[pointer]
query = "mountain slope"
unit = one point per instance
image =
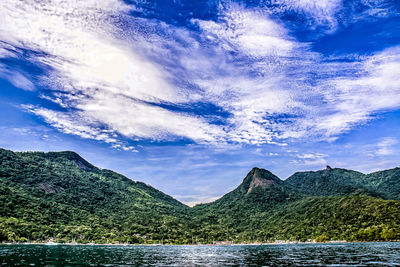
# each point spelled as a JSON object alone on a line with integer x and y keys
{"x": 63, "y": 190}
{"x": 338, "y": 218}
{"x": 342, "y": 182}
{"x": 238, "y": 212}
{"x": 61, "y": 196}
{"x": 330, "y": 182}
{"x": 386, "y": 182}
{"x": 259, "y": 190}
{"x": 334, "y": 203}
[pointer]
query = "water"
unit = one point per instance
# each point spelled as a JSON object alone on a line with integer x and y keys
{"x": 352, "y": 254}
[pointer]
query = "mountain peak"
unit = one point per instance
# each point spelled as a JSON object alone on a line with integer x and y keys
{"x": 260, "y": 178}
{"x": 74, "y": 157}
{"x": 328, "y": 168}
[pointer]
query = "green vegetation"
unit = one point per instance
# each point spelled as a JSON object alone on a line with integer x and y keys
{"x": 61, "y": 197}
{"x": 278, "y": 212}
{"x": 386, "y": 182}
{"x": 322, "y": 239}
{"x": 341, "y": 182}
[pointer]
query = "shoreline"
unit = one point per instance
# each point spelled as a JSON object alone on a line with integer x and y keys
{"x": 156, "y": 245}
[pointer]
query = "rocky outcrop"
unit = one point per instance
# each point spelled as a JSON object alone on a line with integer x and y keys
{"x": 261, "y": 178}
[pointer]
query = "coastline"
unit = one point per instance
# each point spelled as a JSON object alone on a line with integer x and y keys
{"x": 218, "y": 244}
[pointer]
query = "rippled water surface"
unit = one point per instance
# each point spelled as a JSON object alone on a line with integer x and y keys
{"x": 354, "y": 254}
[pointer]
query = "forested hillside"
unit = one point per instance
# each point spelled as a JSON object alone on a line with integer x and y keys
{"x": 324, "y": 206}
{"x": 342, "y": 182}
{"x": 60, "y": 196}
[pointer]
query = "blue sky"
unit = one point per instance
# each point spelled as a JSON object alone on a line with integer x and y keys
{"x": 188, "y": 96}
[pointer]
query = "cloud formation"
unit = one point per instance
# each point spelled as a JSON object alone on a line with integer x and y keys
{"x": 356, "y": 98}
{"x": 116, "y": 75}
{"x": 310, "y": 159}
{"x": 385, "y": 147}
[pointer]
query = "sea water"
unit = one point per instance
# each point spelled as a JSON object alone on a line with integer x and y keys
{"x": 341, "y": 254}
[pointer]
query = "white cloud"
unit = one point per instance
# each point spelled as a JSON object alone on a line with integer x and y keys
{"x": 137, "y": 119}
{"x": 385, "y": 147}
{"x": 353, "y": 100}
{"x": 80, "y": 125}
{"x": 192, "y": 200}
{"x": 311, "y": 156}
{"x": 107, "y": 82}
{"x": 78, "y": 36}
{"x": 250, "y": 32}
{"x": 6, "y": 51}
{"x": 17, "y": 79}
{"x": 245, "y": 63}
{"x": 375, "y": 9}
{"x": 101, "y": 76}
{"x": 339, "y": 99}
{"x": 254, "y": 87}
{"x": 310, "y": 159}
{"x": 318, "y": 12}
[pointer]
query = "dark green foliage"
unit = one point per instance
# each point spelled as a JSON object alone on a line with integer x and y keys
{"x": 330, "y": 182}
{"x": 387, "y": 182}
{"x": 236, "y": 214}
{"x": 339, "y": 218}
{"x": 61, "y": 196}
{"x": 282, "y": 212}
{"x": 341, "y": 182}
{"x": 322, "y": 239}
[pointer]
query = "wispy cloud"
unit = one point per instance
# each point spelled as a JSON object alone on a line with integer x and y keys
{"x": 310, "y": 159}
{"x": 385, "y": 147}
{"x": 317, "y": 12}
{"x": 98, "y": 75}
{"x": 16, "y": 78}
{"x": 66, "y": 123}
{"x": 115, "y": 75}
{"x": 192, "y": 200}
{"x": 250, "y": 32}
{"x": 374, "y": 9}
{"x": 373, "y": 88}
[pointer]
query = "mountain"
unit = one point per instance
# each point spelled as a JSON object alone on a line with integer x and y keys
{"x": 259, "y": 187}
{"x": 342, "y": 182}
{"x": 335, "y": 203}
{"x": 361, "y": 218}
{"x": 61, "y": 196}
{"x": 386, "y": 182}
{"x": 330, "y": 182}
{"x": 234, "y": 214}
{"x": 260, "y": 190}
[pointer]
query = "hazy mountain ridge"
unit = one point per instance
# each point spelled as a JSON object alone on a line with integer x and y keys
{"x": 60, "y": 195}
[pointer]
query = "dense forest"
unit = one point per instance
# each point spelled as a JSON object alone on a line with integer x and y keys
{"x": 59, "y": 196}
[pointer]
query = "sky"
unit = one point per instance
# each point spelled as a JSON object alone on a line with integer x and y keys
{"x": 188, "y": 96}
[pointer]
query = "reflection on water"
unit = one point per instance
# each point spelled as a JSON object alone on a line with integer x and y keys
{"x": 353, "y": 254}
